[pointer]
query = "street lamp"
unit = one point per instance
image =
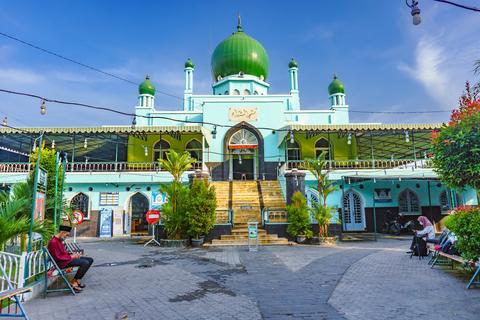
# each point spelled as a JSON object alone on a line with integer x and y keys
{"x": 413, "y": 4}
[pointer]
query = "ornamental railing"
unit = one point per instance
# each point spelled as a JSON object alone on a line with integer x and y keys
{"x": 224, "y": 216}
{"x": 366, "y": 164}
{"x": 274, "y": 215}
{"x": 95, "y": 166}
{"x": 22, "y": 269}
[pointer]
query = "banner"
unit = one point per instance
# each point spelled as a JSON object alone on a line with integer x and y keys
{"x": 383, "y": 195}
{"x": 39, "y": 211}
{"x": 105, "y": 222}
{"x": 158, "y": 199}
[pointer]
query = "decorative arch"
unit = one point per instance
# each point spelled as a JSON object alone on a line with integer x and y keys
{"x": 322, "y": 144}
{"x": 160, "y": 149}
{"x": 446, "y": 199}
{"x": 194, "y": 147}
{"x": 236, "y": 92}
{"x": 246, "y": 92}
{"x": 408, "y": 202}
{"x": 260, "y": 146}
{"x": 81, "y": 202}
{"x": 293, "y": 150}
{"x": 138, "y": 205}
{"x": 353, "y": 211}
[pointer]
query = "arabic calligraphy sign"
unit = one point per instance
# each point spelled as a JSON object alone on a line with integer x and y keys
{"x": 242, "y": 114}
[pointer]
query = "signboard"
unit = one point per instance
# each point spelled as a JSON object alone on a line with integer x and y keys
{"x": 242, "y": 114}
{"x": 77, "y": 217}
{"x": 153, "y": 216}
{"x": 42, "y": 180}
{"x": 383, "y": 195}
{"x": 252, "y": 236}
{"x": 158, "y": 199}
{"x": 108, "y": 199}
{"x": 105, "y": 222}
{"x": 39, "y": 210}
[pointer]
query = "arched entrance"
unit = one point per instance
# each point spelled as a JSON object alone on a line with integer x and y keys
{"x": 138, "y": 208}
{"x": 243, "y": 153}
{"x": 353, "y": 212}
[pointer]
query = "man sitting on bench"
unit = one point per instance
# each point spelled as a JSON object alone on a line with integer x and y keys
{"x": 64, "y": 260}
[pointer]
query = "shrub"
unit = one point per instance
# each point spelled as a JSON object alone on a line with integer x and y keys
{"x": 174, "y": 211}
{"x": 465, "y": 223}
{"x": 201, "y": 207}
{"x": 298, "y": 216}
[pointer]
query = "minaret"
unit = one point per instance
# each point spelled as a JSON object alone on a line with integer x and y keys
{"x": 187, "y": 94}
{"x": 336, "y": 91}
{"x": 146, "y": 94}
{"x": 293, "y": 70}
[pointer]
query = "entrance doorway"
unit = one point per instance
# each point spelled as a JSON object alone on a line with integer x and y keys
{"x": 353, "y": 212}
{"x": 243, "y": 165}
{"x": 243, "y": 146}
{"x": 138, "y": 207}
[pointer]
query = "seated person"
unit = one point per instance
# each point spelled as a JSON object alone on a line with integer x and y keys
{"x": 427, "y": 232}
{"x": 64, "y": 260}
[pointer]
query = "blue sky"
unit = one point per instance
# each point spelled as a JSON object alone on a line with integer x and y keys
{"x": 386, "y": 63}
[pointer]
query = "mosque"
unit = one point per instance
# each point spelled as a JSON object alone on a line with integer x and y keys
{"x": 252, "y": 145}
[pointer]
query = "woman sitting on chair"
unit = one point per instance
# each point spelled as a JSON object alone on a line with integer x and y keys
{"x": 421, "y": 236}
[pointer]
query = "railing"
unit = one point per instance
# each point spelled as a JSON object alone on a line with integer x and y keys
{"x": 274, "y": 215}
{"x": 366, "y": 164}
{"x": 21, "y": 269}
{"x": 94, "y": 166}
{"x": 224, "y": 216}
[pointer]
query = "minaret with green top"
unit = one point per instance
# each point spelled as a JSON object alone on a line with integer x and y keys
{"x": 336, "y": 91}
{"x": 146, "y": 94}
{"x": 188, "y": 92}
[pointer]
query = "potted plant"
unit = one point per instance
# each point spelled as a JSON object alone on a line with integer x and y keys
{"x": 320, "y": 210}
{"x": 299, "y": 218}
{"x": 201, "y": 208}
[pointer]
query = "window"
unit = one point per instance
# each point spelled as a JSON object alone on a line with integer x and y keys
{"x": 108, "y": 199}
{"x": 226, "y": 93}
{"x": 255, "y": 92}
{"x": 246, "y": 92}
{"x": 446, "y": 200}
{"x": 321, "y": 145}
{"x": 81, "y": 202}
{"x": 408, "y": 202}
{"x": 236, "y": 92}
{"x": 194, "y": 147}
{"x": 352, "y": 208}
{"x": 160, "y": 150}
{"x": 293, "y": 151}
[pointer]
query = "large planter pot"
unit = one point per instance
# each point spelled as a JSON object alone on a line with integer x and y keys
{"x": 174, "y": 243}
{"x": 197, "y": 243}
{"x": 301, "y": 239}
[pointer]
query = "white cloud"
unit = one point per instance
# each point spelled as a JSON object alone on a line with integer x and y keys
{"x": 19, "y": 76}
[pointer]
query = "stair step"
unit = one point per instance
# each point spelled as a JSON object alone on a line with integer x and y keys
{"x": 280, "y": 241}
{"x": 245, "y": 237}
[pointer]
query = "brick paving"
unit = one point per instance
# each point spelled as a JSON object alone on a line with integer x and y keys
{"x": 370, "y": 280}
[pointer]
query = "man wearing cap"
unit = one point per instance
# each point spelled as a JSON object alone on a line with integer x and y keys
{"x": 66, "y": 260}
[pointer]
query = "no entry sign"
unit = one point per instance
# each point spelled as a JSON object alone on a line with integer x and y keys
{"x": 153, "y": 216}
{"x": 77, "y": 217}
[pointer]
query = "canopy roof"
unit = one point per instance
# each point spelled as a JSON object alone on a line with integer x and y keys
{"x": 106, "y": 129}
{"x": 363, "y": 127}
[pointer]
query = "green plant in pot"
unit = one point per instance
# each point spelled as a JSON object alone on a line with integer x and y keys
{"x": 299, "y": 218}
{"x": 201, "y": 208}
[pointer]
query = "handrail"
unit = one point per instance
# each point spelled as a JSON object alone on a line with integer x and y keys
{"x": 367, "y": 164}
{"x": 275, "y": 215}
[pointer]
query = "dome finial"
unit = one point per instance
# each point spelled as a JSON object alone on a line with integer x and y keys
{"x": 239, "y": 23}
{"x": 335, "y": 75}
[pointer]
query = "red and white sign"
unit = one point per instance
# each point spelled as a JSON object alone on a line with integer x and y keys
{"x": 153, "y": 216}
{"x": 77, "y": 217}
{"x": 39, "y": 210}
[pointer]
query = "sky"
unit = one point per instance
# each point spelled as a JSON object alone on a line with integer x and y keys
{"x": 385, "y": 62}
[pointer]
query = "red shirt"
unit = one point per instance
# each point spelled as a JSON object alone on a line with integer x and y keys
{"x": 58, "y": 252}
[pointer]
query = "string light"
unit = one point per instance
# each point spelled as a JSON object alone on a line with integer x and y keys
{"x": 134, "y": 122}
{"x": 214, "y": 132}
{"x": 5, "y": 122}
{"x": 239, "y": 159}
{"x": 292, "y": 138}
{"x": 34, "y": 145}
{"x": 349, "y": 139}
{"x": 407, "y": 136}
{"x": 85, "y": 143}
{"x": 43, "y": 108}
{"x": 146, "y": 151}
{"x": 53, "y": 144}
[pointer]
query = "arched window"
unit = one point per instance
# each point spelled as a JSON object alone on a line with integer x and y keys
{"x": 160, "y": 150}
{"x": 226, "y": 93}
{"x": 322, "y": 145}
{"x": 408, "y": 202}
{"x": 293, "y": 150}
{"x": 81, "y": 202}
{"x": 246, "y": 92}
{"x": 446, "y": 200}
{"x": 194, "y": 147}
{"x": 255, "y": 92}
{"x": 236, "y": 92}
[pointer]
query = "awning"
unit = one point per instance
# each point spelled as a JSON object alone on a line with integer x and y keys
{"x": 107, "y": 129}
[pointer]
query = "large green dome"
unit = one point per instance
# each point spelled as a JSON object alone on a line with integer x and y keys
{"x": 336, "y": 86}
{"x": 239, "y": 53}
{"x": 146, "y": 87}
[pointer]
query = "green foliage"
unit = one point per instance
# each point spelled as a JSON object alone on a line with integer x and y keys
{"x": 322, "y": 213}
{"x": 177, "y": 163}
{"x": 174, "y": 211}
{"x": 201, "y": 207}
{"x": 465, "y": 223}
{"x": 298, "y": 216}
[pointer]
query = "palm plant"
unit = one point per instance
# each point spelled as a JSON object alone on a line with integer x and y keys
{"x": 320, "y": 210}
{"x": 177, "y": 163}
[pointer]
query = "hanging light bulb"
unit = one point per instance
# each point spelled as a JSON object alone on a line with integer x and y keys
{"x": 349, "y": 139}
{"x": 53, "y": 144}
{"x": 86, "y": 159}
{"x": 425, "y": 154}
{"x": 416, "y": 19}
{"x": 374, "y": 180}
{"x": 146, "y": 151}
{"x": 239, "y": 159}
{"x": 34, "y": 145}
{"x": 292, "y": 138}
{"x": 407, "y": 136}
{"x": 214, "y": 132}
{"x": 43, "y": 108}
{"x": 134, "y": 122}
{"x": 85, "y": 143}
{"x": 5, "y": 122}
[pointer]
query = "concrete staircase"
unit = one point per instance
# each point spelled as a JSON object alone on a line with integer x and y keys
{"x": 247, "y": 200}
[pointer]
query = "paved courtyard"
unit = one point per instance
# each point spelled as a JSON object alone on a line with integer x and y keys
{"x": 369, "y": 280}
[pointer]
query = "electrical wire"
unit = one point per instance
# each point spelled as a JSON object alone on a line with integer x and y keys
{"x": 459, "y": 5}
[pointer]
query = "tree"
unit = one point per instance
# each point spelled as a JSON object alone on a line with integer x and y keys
{"x": 323, "y": 213}
{"x": 456, "y": 147}
{"x": 298, "y": 217}
{"x": 177, "y": 163}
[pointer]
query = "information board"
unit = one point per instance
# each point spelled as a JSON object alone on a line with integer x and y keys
{"x": 105, "y": 221}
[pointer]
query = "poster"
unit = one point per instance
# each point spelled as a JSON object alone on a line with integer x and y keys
{"x": 158, "y": 199}
{"x": 383, "y": 195}
{"x": 105, "y": 221}
{"x": 39, "y": 211}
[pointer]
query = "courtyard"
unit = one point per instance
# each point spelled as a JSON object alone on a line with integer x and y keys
{"x": 355, "y": 280}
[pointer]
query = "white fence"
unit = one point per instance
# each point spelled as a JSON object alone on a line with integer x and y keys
{"x": 21, "y": 269}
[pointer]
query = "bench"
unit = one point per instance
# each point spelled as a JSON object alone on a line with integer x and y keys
{"x": 73, "y": 247}
{"x": 12, "y": 293}
{"x": 449, "y": 259}
{"x": 53, "y": 270}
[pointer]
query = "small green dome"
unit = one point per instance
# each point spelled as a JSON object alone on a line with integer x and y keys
{"x": 146, "y": 87}
{"x": 293, "y": 64}
{"x": 239, "y": 53}
{"x": 336, "y": 86}
{"x": 189, "y": 63}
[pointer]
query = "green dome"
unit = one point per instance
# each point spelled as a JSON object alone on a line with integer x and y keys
{"x": 336, "y": 86}
{"x": 146, "y": 87}
{"x": 239, "y": 53}
{"x": 293, "y": 64}
{"x": 189, "y": 63}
